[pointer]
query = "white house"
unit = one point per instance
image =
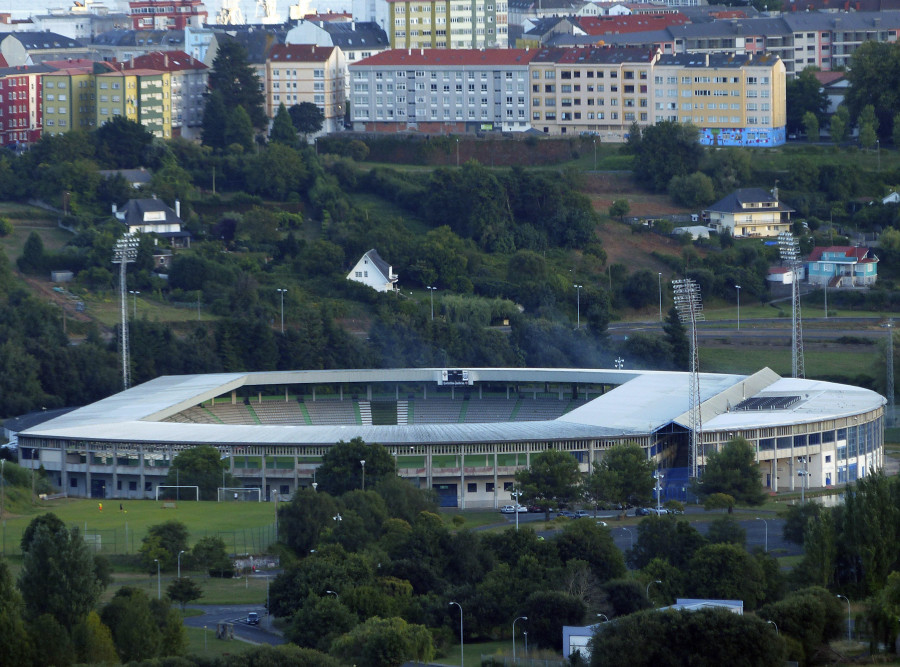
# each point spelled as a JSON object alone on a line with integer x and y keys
{"x": 373, "y": 271}
{"x": 152, "y": 216}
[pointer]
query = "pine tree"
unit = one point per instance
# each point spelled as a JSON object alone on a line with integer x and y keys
{"x": 676, "y": 337}
{"x": 214, "y": 121}
{"x": 235, "y": 80}
{"x": 283, "y": 131}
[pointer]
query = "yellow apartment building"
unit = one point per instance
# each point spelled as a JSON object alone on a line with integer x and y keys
{"x": 298, "y": 73}
{"x": 447, "y": 24}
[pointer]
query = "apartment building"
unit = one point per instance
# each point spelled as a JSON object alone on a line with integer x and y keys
{"x": 166, "y": 14}
{"x": 298, "y": 73}
{"x": 437, "y": 91}
{"x": 115, "y": 94}
{"x": 593, "y": 90}
{"x": 21, "y": 117}
{"x": 441, "y": 24}
{"x": 735, "y": 100}
{"x": 154, "y": 101}
{"x": 188, "y": 80}
{"x": 68, "y": 99}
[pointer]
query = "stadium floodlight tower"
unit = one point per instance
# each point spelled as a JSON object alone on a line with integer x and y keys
{"x": 124, "y": 253}
{"x": 690, "y": 311}
{"x": 790, "y": 255}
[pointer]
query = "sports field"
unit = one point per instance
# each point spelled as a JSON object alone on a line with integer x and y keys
{"x": 246, "y": 527}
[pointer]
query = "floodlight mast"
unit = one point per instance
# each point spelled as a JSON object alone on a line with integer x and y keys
{"x": 124, "y": 252}
{"x": 690, "y": 311}
{"x": 790, "y": 255}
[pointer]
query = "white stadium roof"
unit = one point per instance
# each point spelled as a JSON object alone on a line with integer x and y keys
{"x": 641, "y": 402}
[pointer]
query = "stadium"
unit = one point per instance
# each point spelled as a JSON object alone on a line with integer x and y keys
{"x": 462, "y": 432}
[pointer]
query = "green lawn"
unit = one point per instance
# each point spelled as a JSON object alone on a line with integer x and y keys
{"x": 203, "y": 643}
{"x": 818, "y": 363}
{"x": 243, "y": 590}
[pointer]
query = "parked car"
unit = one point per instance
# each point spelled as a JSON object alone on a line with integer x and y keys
{"x": 658, "y": 511}
{"x": 602, "y": 523}
{"x": 566, "y": 513}
{"x": 642, "y": 511}
{"x": 252, "y": 618}
{"x": 535, "y": 509}
{"x": 580, "y": 514}
{"x": 511, "y": 509}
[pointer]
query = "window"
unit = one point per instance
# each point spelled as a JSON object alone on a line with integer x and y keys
{"x": 471, "y": 487}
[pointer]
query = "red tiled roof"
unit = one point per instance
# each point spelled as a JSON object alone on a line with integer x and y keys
{"x": 826, "y": 78}
{"x": 300, "y": 53}
{"x": 729, "y": 14}
{"x": 450, "y": 57}
{"x": 329, "y": 16}
{"x": 70, "y": 63}
{"x": 613, "y": 25}
{"x": 779, "y": 269}
{"x": 166, "y": 61}
{"x": 855, "y": 252}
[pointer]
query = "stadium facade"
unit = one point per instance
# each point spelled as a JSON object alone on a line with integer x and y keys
{"x": 462, "y": 432}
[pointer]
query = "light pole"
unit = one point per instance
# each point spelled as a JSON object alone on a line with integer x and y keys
{"x": 282, "y": 291}
{"x": 630, "y": 534}
{"x": 605, "y": 617}
{"x": 595, "y": 169}
{"x": 516, "y": 495}
{"x": 134, "y": 294}
{"x": 315, "y": 485}
{"x": 2, "y": 489}
{"x": 878, "y": 150}
{"x": 659, "y": 282}
{"x": 179, "y": 563}
{"x": 520, "y": 618}
{"x": 647, "y": 592}
{"x": 431, "y": 291}
{"x": 849, "y": 638}
{"x": 776, "y": 627}
{"x": 802, "y": 474}
{"x": 578, "y": 304}
{"x": 457, "y": 163}
{"x": 620, "y": 363}
{"x": 332, "y": 593}
{"x": 525, "y": 632}
{"x": 766, "y": 524}
{"x": 658, "y": 477}
{"x": 738, "y": 288}
{"x": 461, "y": 626}
{"x": 158, "y": 580}
{"x": 362, "y": 462}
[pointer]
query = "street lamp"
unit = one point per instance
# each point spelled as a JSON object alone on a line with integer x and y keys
{"x": 578, "y": 301}
{"x": 315, "y": 485}
{"x": 362, "y": 462}
{"x": 431, "y": 291}
{"x": 803, "y": 475}
{"x": 134, "y": 294}
{"x": 776, "y": 627}
{"x": 516, "y": 495}
{"x": 595, "y": 169}
{"x": 848, "y": 615}
{"x": 331, "y": 593}
{"x": 630, "y": 534}
{"x": 457, "y": 151}
{"x": 520, "y": 618}
{"x": 620, "y": 363}
{"x": 766, "y": 523}
{"x": 647, "y": 593}
{"x": 179, "y": 563}
{"x": 282, "y": 291}
{"x": 738, "y": 288}
{"x": 158, "y": 580}
{"x": 659, "y": 282}
{"x": 605, "y": 617}
{"x": 878, "y": 150}
{"x": 658, "y": 477}
{"x": 461, "y": 626}
{"x": 2, "y": 490}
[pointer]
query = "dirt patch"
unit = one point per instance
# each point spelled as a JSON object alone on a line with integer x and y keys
{"x": 634, "y": 250}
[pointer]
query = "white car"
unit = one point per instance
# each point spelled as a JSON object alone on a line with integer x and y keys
{"x": 511, "y": 509}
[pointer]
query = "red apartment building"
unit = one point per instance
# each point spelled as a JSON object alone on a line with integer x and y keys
{"x": 166, "y": 14}
{"x": 20, "y": 104}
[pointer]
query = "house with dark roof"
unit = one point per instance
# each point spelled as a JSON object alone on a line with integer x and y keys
{"x": 33, "y": 48}
{"x": 842, "y": 266}
{"x": 750, "y": 212}
{"x": 373, "y": 271}
{"x": 153, "y": 216}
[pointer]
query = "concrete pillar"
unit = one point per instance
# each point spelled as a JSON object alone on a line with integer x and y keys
{"x": 115, "y": 472}
{"x": 142, "y": 467}
{"x": 494, "y": 503}
{"x": 462, "y": 479}
{"x": 87, "y": 472}
{"x": 262, "y": 474}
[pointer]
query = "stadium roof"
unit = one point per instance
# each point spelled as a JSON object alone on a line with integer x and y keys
{"x": 642, "y": 402}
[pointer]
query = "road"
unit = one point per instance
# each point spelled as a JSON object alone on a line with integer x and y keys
{"x": 237, "y": 614}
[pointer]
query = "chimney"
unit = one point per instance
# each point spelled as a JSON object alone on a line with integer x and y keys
{"x": 166, "y": 61}
{"x": 353, "y": 26}
{"x": 707, "y": 60}
{"x": 177, "y": 208}
{"x": 115, "y": 209}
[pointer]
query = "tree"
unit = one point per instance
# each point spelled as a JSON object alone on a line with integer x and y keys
{"x": 58, "y": 576}
{"x": 619, "y": 208}
{"x": 804, "y": 94}
{"x": 15, "y": 643}
{"x": 676, "y": 337}
{"x": 93, "y": 641}
{"x": 733, "y": 471}
{"x": 623, "y": 476}
{"x": 134, "y": 629}
{"x": 552, "y": 479}
{"x": 384, "y": 642}
{"x": 233, "y": 77}
{"x": 163, "y": 542}
{"x": 215, "y": 120}
{"x": 726, "y": 530}
{"x": 302, "y": 521}
{"x": 307, "y": 117}
{"x": 209, "y": 554}
{"x": 661, "y": 537}
{"x": 341, "y": 469}
{"x": 811, "y": 126}
{"x": 121, "y": 143}
{"x": 238, "y": 128}
{"x": 276, "y": 172}
{"x": 641, "y": 289}
{"x": 283, "y": 130}
{"x": 201, "y": 466}
{"x": 868, "y": 126}
{"x": 693, "y": 190}
{"x": 796, "y": 520}
{"x": 183, "y": 590}
{"x": 812, "y": 616}
{"x": 585, "y": 540}
{"x": 726, "y": 572}
{"x": 666, "y": 149}
{"x": 874, "y": 77}
{"x": 718, "y": 501}
{"x": 840, "y": 124}
{"x": 548, "y": 612}
{"x": 32, "y": 259}
{"x": 319, "y": 621}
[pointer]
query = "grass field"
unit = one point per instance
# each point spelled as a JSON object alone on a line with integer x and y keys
{"x": 833, "y": 361}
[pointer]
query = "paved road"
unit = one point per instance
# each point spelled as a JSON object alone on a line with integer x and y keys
{"x": 237, "y": 614}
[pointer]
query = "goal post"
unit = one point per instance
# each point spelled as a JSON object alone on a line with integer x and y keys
{"x": 239, "y": 494}
{"x": 171, "y": 495}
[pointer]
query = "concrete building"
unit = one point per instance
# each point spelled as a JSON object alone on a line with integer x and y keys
{"x": 21, "y": 104}
{"x": 750, "y": 212}
{"x": 437, "y": 91}
{"x": 166, "y": 14}
{"x": 307, "y": 73}
{"x": 188, "y": 80}
{"x": 34, "y": 48}
{"x": 374, "y": 272}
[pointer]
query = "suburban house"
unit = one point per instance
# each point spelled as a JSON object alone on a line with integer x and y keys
{"x": 750, "y": 212}
{"x": 152, "y": 216}
{"x": 373, "y": 271}
{"x": 842, "y": 266}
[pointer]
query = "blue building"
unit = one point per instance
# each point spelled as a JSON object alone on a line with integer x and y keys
{"x": 842, "y": 266}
